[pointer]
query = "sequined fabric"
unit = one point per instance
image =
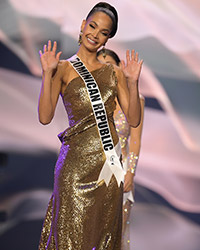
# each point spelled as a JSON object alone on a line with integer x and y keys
{"x": 84, "y": 215}
{"x": 123, "y": 128}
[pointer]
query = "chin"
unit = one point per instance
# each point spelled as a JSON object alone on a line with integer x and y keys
{"x": 92, "y": 49}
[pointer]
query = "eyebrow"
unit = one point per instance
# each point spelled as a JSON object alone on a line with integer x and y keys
{"x": 97, "y": 25}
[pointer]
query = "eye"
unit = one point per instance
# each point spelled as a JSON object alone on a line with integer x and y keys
{"x": 92, "y": 26}
{"x": 105, "y": 34}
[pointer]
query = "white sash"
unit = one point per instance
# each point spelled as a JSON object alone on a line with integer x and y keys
{"x": 112, "y": 164}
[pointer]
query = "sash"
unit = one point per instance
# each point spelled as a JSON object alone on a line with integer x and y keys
{"x": 112, "y": 165}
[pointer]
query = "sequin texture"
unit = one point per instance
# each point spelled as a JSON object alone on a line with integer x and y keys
{"x": 123, "y": 128}
{"x": 84, "y": 215}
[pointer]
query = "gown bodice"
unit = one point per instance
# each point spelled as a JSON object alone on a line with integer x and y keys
{"x": 78, "y": 106}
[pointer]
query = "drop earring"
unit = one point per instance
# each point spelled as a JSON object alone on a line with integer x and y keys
{"x": 104, "y": 52}
{"x": 80, "y": 38}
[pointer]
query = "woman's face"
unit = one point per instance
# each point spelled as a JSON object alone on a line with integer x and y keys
{"x": 107, "y": 59}
{"x": 96, "y": 31}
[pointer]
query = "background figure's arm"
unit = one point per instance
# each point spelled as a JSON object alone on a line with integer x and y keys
{"x": 136, "y": 133}
{"x": 134, "y": 149}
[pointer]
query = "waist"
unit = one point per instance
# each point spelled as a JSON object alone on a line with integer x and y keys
{"x": 85, "y": 124}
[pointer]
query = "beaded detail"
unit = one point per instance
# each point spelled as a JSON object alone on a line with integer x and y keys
{"x": 122, "y": 128}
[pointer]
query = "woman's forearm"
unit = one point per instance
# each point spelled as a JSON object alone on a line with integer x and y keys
{"x": 134, "y": 110}
{"x": 135, "y": 142}
{"x": 45, "y": 106}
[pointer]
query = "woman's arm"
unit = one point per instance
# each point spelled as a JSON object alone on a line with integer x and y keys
{"x": 128, "y": 95}
{"x": 51, "y": 83}
{"x": 136, "y": 133}
{"x": 134, "y": 149}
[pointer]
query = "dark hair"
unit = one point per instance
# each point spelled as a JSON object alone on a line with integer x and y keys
{"x": 110, "y": 11}
{"x": 108, "y": 52}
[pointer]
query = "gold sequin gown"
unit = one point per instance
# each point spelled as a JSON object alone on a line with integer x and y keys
{"x": 84, "y": 215}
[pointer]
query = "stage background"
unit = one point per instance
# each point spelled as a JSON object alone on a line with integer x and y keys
{"x": 167, "y": 36}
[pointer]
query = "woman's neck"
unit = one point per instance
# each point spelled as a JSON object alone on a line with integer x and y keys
{"x": 87, "y": 57}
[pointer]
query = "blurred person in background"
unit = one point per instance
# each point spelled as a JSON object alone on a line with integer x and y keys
{"x": 130, "y": 140}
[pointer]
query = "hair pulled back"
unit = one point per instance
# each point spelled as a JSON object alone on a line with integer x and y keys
{"x": 110, "y": 11}
{"x": 111, "y": 53}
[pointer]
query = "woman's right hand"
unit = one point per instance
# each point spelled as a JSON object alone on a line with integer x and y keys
{"x": 49, "y": 59}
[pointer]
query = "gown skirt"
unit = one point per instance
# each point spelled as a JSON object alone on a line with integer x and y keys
{"x": 83, "y": 214}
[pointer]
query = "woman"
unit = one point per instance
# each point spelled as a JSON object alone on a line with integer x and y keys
{"x": 85, "y": 209}
{"x": 130, "y": 140}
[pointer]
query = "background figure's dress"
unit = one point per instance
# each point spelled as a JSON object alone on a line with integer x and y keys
{"x": 123, "y": 130}
{"x": 84, "y": 215}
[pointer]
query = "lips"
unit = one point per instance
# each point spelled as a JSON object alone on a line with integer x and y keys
{"x": 91, "y": 41}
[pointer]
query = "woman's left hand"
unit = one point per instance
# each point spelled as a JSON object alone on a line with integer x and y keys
{"x": 128, "y": 182}
{"x": 132, "y": 67}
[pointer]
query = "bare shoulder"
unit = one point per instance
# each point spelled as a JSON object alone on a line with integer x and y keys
{"x": 63, "y": 64}
{"x": 60, "y": 68}
{"x": 68, "y": 73}
{"x": 64, "y": 68}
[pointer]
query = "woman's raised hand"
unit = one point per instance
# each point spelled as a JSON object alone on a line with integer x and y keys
{"x": 132, "y": 67}
{"x": 49, "y": 59}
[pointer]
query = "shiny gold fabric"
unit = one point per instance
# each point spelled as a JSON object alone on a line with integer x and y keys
{"x": 84, "y": 215}
{"x": 122, "y": 128}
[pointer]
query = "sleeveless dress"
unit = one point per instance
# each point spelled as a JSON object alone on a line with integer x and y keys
{"x": 83, "y": 214}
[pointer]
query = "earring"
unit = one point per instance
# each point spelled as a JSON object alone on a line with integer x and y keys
{"x": 104, "y": 52}
{"x": 80, "y": 38}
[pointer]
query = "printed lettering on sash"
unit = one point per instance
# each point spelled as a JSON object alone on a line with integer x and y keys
{"x": 112, "y": 164}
